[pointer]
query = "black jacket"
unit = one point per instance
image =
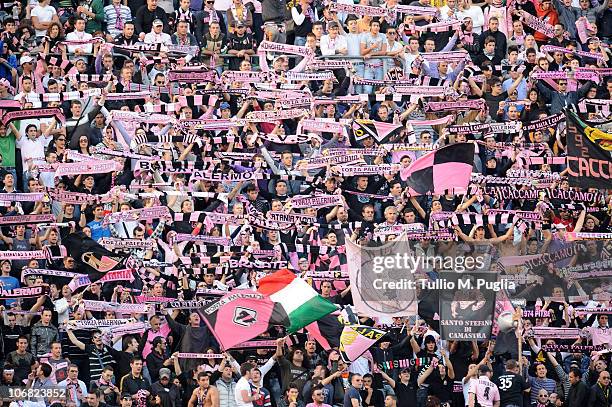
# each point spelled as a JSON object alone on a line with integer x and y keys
{"x": 143, "y": 21}
{"x": 578, "y": 395}
{"x": 600, "y": 397}
{"x": 500, "y": 42}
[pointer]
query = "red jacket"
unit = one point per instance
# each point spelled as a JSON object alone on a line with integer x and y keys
{"x": 549, "y": 16}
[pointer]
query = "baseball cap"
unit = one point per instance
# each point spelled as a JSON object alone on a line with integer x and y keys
{"x": 164, "y": 372}
{"x": 25, "y": 59}
{"x": 559, "y": 225}
{"x": 224, "y": 105}
{"x": 240, "y": 24}
{"x": 125, "y": 395}
{"x": 592, "y": 39}
{"x": 333, "y": 24}
{"x": 157, "y": 22}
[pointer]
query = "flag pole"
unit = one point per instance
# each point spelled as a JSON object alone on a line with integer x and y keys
{"x": 519, "y": 330}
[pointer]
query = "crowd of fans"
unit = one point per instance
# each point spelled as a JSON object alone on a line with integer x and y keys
{"x": 49, "y": 48}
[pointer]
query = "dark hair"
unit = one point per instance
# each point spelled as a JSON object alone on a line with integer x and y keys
{"x": 95, "y": 392}
{"x": 46, "y": 369}
{"x": 432, "y": 401}
{"x": 576, "y": 372}
{"x": 292, "y": 385}
{"x": 127, "y": 339}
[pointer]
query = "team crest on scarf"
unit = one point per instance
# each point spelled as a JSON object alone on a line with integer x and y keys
{"x": 381, "y": 131}
{"x": 100, "y": 263}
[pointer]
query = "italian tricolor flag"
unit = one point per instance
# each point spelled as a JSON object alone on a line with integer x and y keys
{"x": 299, "y": 300}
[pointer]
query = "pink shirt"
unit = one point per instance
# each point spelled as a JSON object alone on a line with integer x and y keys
{"x": 164, "y": 331}
{"x": 600, "y": 336}
{"x": 485, "y": 390}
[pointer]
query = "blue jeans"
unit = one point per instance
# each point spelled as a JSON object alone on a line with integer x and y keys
{"x": 359, "y": 69}
{"x": 421, "y": 396}
{"x": 372, "y": 72}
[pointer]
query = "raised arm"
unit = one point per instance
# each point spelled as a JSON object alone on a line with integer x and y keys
{"x": 387, "y": 378}
{"x": 74, "y": 339}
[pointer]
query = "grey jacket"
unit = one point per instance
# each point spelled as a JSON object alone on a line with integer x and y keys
{"x": 567, "y": 16}
{"x": 41, "y": 338}
{"x": 226, "y": 393}
{"x": 273, "y": 11}
{"x": 558, "y": 101}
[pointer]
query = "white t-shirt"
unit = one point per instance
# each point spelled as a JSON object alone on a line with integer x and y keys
{"x": 222, "y": 5}
{"x": 31, "y": 97}
{"x": 477, "y": 16}
{"x": 153, "y": 38}
{"x": 77, "y": 36}
{"x": 45, "y": 15}
{"x": 34, "y": 149}
{"x": 243, "y": 384}
{"x": 330, "y": 45}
